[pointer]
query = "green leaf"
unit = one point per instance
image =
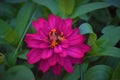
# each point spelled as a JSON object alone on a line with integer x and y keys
{"x": 22, "y": 55}
{"x": 83, "y": 9}
{"x": 23, "y": 17}
{"x": 7, "y": 33}
{"x": 15, "y": 1}
{"x": 7, "y": 11}
{"x": 92, "y": 43}
{"x": 110, "y": 36}
{"x": 75, "y": 75}
{"x": 50, "y": 4}
{"x": 108, "y": 51}
{"x": 2, "y": 58}
{"x": 19, "y": 72}
{"x": 80, "y": 2}
{"x": 113, "y": 2}
{"x": 92, "y": 39}
{"x": 98, "y": 72}
{"x": 12, "y": 58}
{"x": 116, "y": 73}
{"x": 66, "y": 6}
{"x": 83, "y": 68}
{"x": 118, "y": 13}
{"x": 85, "y": 28}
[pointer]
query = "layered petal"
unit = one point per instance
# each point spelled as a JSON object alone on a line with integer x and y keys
{"x": 53, "y": 60}
{"x": 75, "y": 52}
{"x": 46, "y": 53}
{"x": 66, "y": 63}
{"x": 56, "y": 69}
{"x": 34, "y": 56}
{"x": 44, "y": 65}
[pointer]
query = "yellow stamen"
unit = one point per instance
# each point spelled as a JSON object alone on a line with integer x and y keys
{"x": 53, "y": 30}
{"x": 62, "y": 38}
{"x": 54, "y": 43}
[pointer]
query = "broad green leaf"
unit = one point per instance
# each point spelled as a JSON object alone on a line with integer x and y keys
{"x": 50, "y": 4}
{"x": 12, "y": 58}
{"x": 66, "y": 6}
{"x": 118, "y": 13}
{"x": 83, "y": 9}
{"x": 85, "y": 28}
{"x": 113, "y": 2}
{"x": 116, "y": 73}
{"x": 92, "y": 39}
{"x": 98, "y": 72}
{"x": 2, "y": 69}
{"x": 110, "y": 36}
{"x": 2, "y": 58}
{"x": 83, "y": 68}
{"x": 14, "y": 54}
{"x": 110, "y": 61}
{"x": 92, "y": 43}
{"x": 108, "y": 51}
{"x": 22, "y": 55}
{"x": 75, "y": 75}
{"x": 7, "y": 33}
{"x": 23, "y": 17}
{"x": 84, "y": 17}
{"x": 15, "y": 1}
{"x": 80, "y": 2}
{"x": 19, "y": 72}
{"x": 7, "y": 11}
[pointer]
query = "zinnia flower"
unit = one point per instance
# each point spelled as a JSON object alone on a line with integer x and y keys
{"x": 55, "y": 44}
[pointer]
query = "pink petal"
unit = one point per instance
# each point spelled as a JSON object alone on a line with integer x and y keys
{"x": 66, "y": 63}
{"x": 33, "y": 36}
{"x": 68, "y": 23}
{"x": 35, "y": 25}
{"x": 57, "y": 49}
{"x": 33, "y": 56}
{"x": 37, "y": 44}
{"x": 52, "y": 21}
{"x": 44, "y": 66}
{"x": 85, "y": 48}
{"x": 44, "y": 27}
{"x": 63, "y": 54}
{"x": 76, "y": 39}
{"x": 46, "y": 53}
{"x": 56, "y": 69}
{"x": 75, "y": 52}
{"x": 76, "y": 60}
{"x": 52, "y": 60}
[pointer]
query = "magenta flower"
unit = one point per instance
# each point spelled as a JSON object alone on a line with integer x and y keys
{"x": 55, "y": 45}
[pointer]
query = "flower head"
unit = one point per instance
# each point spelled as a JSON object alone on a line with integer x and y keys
{"x": 55, "y": 44}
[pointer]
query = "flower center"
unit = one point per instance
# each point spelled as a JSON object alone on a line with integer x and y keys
{"x": 55, "y": 38}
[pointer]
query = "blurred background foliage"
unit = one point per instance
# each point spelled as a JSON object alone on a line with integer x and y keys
{"x": 99, "y": 20}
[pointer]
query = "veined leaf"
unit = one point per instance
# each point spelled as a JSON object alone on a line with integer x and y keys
{"x": 23, "y": 17}
{"x": 85, "y": 28}
{"x": 50, "y": 4}
{"x": 66, "y": 6}
{"x": 99, "y": 72}
{"x": 19, "y": 72}
{"x": 83, "y": 9}
{"x": 7, "y": 33}
{"x": 108, "y": 51}
{"x": 15, "y": 1}
{"x": 110, "y": 36}
{"x": 116, "y": 73}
